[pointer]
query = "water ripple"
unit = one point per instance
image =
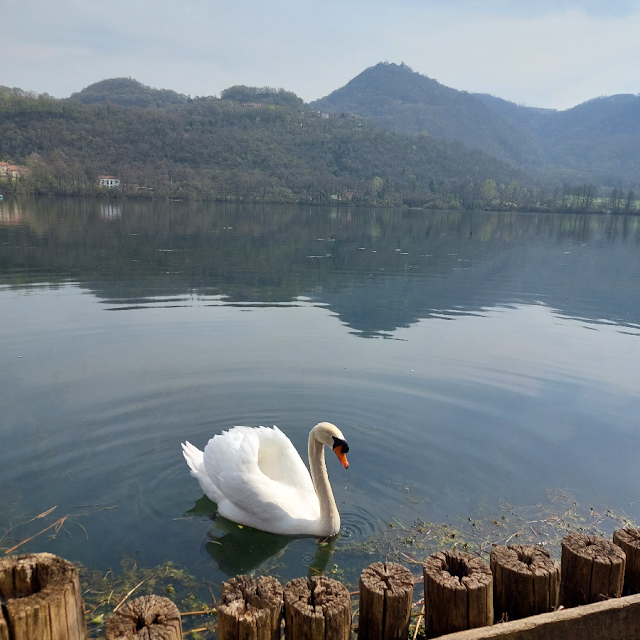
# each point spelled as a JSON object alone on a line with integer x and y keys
{"x": 356, "y": 526}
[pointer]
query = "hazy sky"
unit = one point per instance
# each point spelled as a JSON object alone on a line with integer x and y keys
{"x": 547, "y": 53}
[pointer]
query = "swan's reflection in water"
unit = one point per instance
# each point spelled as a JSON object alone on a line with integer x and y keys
{"x": 238, "y": 549}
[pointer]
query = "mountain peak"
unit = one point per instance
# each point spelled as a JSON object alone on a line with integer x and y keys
{"x": 399, "y": 98}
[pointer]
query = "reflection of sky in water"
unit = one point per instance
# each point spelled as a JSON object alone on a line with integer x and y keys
{"x": 461, "y": 406}
{"x": 501, "y": 405}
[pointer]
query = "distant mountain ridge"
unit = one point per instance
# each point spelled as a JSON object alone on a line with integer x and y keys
{"x": 595, "y": 141}
{"x": 396, "y": 137}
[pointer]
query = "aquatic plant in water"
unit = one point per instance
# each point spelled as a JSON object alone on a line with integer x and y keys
{"x": 543, "y": 524}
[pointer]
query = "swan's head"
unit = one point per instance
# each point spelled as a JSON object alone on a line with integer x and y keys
{"x": 330, "y": 435}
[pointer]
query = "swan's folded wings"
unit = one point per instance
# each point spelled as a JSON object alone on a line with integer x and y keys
{"x": 259, "y": 469}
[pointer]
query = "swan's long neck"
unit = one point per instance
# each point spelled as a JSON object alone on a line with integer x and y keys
{"x": 329, "y": 515}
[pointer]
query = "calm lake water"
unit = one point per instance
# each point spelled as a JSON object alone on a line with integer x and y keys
{"x": 471, "y": 360}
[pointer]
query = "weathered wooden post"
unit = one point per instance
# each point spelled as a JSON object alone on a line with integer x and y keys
{"x": 592, "y": 570}
{"x": 145, "y": 618}
{"x": 386, "y": 591}
{"x": 458, "y": 593}
{"x": 250, "y": 609}
{"x": 628, "y": 539}
{"x": 317, "y": 611}
{"x": 40, "y": 596}
{"x": 526, "y": 581}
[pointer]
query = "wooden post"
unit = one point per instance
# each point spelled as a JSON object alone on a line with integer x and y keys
{"x": 386, "y": 592}
{"x": 458, "y": 593}
{"x": 250, "y": 609}
{"x": 526, "y": 581}
{"x": 145, "y": 618}
{"x": 628, "y": 539}
{"x": 592, "y": 570}
{"x": 317, "y": 611}
{"x": 40, "y": 595}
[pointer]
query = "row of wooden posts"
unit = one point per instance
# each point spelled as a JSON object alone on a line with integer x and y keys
{"x": 40, "y": 595}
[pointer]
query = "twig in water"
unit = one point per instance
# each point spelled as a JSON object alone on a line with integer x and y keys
{"x": 516, "y": 534}
{"x": 186, "y": 633}
{"x": 215, "y": 604}
{"x": 420, "y": 616}
{"x": 57, "y": 523}
{"x": 402, "y": 527}
{"x": 197, "y": 613}
{"x": 407, "y": 559}
{"x": 85, "y": 531}
{"x": 44, "y": 514}
{"x": 128, "y": 594}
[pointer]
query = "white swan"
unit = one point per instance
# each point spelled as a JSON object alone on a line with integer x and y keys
{"x": 257, "y": 478}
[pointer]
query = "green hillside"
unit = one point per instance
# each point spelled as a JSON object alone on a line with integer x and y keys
{"x": 127, "y": 92}
{"x": 262, "y": 145}
{"x": 400, "y": 99}
{"x": 393, "y": 138}
{"x": 593, "y": 142}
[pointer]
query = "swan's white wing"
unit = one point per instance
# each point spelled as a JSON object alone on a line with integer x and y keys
{"x": 261, "y": 474}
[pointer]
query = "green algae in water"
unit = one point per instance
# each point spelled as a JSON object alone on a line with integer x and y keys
{"x": 542, "y": 524}
{"x": 408, "y": 543}
{"x": 103, "y": 592}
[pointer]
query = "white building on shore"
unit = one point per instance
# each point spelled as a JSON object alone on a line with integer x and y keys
{"x": 108, "y": 181}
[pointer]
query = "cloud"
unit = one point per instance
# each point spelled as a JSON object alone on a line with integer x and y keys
{"x": 555, "y": 60}
{"x": 543, "y": 54}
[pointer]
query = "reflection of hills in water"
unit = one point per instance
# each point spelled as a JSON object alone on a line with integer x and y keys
{"x": 376, "y": 269}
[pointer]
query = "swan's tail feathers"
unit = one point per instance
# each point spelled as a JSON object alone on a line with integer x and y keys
{"x": 195, "y": 460}
{"x": 193, "y": 456}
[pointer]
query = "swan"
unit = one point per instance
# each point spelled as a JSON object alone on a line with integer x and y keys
{"x": 257, "y": 479}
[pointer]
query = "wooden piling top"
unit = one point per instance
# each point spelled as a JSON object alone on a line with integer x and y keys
{"x": 40, "y": 596}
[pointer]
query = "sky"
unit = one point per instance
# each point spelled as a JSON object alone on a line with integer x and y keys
{"x": 548, "y": 53}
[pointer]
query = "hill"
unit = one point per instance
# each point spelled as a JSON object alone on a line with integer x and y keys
{"x": 277, "y": 149}
{"x": 520, "y": 116}
{"x": 599, "y": 138}
{"x": 401, "y": 99}
{"x": 261, "y": 96}
{"x": 127, "y": 92}
{"x": 596, "y": 141}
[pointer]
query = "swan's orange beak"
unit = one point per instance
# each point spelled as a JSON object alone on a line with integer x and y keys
{"x": 341, "y": 456}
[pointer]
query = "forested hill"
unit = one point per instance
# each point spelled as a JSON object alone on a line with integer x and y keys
{"x": 527, "y": 118}
{"x": 402, "y": 100}
{"x": 596, "y": 141}
{"x": 128, "y": 92}
{"x": 253, "y": 144}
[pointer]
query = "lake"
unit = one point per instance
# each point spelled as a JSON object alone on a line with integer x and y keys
{"x": 481, "y": 365}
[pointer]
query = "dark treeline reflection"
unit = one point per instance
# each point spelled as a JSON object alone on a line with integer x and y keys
{"x": 377, "y": 269}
